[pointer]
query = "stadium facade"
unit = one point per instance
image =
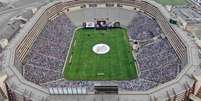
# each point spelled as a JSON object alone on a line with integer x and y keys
{"x": 78, "y": 11}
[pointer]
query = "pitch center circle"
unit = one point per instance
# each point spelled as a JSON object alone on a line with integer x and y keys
{"x": 101, "y": 48}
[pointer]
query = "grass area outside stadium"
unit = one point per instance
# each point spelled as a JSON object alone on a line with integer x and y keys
{"x": 172, "y": 2}
{"x": 84, "y": 64}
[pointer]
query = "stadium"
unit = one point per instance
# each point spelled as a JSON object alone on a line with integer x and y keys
{"x": 100, "y": 50}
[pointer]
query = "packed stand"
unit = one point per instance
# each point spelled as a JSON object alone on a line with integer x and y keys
{"x": 158, "y": 63}
{"x": 143, "y": 27}
{"x": 137, "y": 85}
{"x": 70, "y": 84}
{"x": 46, "y": 58}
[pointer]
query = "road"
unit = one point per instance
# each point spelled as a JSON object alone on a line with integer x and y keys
{"x": 19, "y": 6}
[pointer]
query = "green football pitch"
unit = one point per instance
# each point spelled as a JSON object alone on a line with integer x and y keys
{"x": 84, "y": 64}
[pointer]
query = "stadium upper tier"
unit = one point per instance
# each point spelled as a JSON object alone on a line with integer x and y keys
{"x": 165, "y": 58}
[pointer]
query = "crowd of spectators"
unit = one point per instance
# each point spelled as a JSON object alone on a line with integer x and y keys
{"x": 143, "y": 27}
{"x": 137, "y": 85}
{"x": 46, "y": 58}
{"x": 38, "y": 74}
{"x": 70, "y": 84}
{"x": 158, "y": 63}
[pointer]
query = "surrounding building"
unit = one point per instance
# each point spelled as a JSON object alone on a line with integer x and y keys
{"x": 197, "y": 2}
{"x": 3, "y": 89}
{"x": 189, "y": 19}
{"x": 14, "y": 25}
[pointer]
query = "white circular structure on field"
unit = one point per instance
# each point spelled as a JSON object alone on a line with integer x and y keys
{"x": 101, "y": 48}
